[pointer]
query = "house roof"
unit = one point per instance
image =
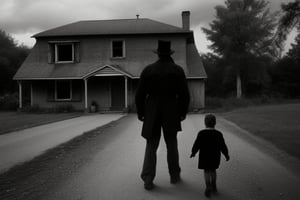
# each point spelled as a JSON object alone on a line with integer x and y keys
{"x": 33, "y": 68}
{"x": 194, "y": 62}
{"x": 112, "y": 27}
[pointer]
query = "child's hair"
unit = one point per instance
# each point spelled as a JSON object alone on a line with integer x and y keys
{"x": 210, "y": 121}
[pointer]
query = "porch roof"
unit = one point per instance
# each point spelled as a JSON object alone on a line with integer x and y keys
{"x": 68, "y": 71}
{"x": 109, "y": 70}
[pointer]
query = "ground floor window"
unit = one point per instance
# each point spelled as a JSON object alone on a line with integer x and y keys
{"x": 63, "y": 90}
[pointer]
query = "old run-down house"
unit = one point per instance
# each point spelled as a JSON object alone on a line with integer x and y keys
{"x": 101, "y": 61}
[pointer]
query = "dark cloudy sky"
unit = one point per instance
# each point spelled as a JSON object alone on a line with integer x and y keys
{"x": 24, "y": 18}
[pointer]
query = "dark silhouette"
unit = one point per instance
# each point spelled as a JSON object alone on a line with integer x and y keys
{"x": 210, "y": 143}
{"x": 162, "y": 100}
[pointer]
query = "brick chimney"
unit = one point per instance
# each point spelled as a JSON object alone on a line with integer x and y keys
{"x": 186, "y": 20}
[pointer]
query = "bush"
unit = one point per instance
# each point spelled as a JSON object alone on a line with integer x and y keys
{"x": 64, "y": 108}
{"x": 233, "y": 102}
{"x": 213, "y": 102}
{"x": 33, "y": 109}
{"x": 9, "y": 102}
{"x": 225, "y": 104}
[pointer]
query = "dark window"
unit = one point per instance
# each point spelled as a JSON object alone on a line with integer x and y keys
{"x": 117, "y": 49}
{"x": 63, "y": 90}
{"x": 64, "y": 53}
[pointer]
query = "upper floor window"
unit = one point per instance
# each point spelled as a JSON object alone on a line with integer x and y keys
{"x": 63, "y": 52}
{"x": 118, "y": 49}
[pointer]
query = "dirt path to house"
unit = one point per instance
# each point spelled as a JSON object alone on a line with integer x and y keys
{"x": 23, "y": 145}
{"x": 105, "y": 164}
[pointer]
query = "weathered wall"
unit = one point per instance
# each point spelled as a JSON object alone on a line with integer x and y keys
{"x": 197, "y": 92}
{"x": 96, "y": 51}
{"x": 99, "y": 90}
{"x": 43, "y": 96}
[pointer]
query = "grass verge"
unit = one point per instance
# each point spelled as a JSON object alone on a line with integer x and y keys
{"x": 13, "y": 121}
{"x": 278, "y": 124}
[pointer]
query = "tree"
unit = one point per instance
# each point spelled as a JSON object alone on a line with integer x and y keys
{"x": 214, "y": 72}
{"x": 285, "y": 73}
{"x": 294, "y": 52}
{"x": 11, "y": 58}
{"x": 241, "y": 32}
{"x": 285, "y": 78}
{"x": 289, "y": 20}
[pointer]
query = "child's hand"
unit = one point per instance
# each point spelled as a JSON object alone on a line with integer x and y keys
{"x": 192, "y": 155}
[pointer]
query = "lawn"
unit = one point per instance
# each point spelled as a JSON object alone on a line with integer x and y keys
{"x": 279, "y": 124}
{"x": 11, "y": 121}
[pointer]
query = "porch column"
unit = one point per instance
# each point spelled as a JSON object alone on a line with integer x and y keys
{"x": 31, "y": 95}
{"x": 20, "y": 94}
{"x": 85, "y": 95}
{"x": 126, "y": 91}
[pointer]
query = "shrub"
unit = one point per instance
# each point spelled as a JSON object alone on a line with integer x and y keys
{"x": 9, "y": 102}
{"x": 213, "y": 102}
{"x": 233, "y": 102}
{"x": 33, "y": 109}
{"x": 64, "y": 108}
{"x": 230, "y": 103}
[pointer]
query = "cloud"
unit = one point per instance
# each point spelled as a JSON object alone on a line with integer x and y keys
{"x": 26, "y": 15}
{"x": 21, "y": 18}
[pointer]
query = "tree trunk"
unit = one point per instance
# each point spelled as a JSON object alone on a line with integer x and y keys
{"x": 238, "y": 85}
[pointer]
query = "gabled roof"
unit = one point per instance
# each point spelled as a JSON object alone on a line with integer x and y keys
{"x": 112, "y": 27}
{"x": 33, "y": 69}
{"x": 109, "y": 70}
{"x": 194, "y": 62}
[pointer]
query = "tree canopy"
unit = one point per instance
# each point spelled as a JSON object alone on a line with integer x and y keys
{"x": 289, "y": 19}
{"x": 11, "y": 58}
{"x": 241, "y": 35}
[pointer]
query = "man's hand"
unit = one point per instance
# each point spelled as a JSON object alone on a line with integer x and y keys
{"x": 227, "y": 158}
{"x": 192, "y": 155}
{"x": 141, "y": 118}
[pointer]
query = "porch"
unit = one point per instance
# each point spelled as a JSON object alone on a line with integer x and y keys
{"x": 109, "y": 88}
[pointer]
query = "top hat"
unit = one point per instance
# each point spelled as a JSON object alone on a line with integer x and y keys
{"x": 164, "y": 48}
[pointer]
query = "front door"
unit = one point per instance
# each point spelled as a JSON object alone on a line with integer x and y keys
{"x": 117, "y": 93}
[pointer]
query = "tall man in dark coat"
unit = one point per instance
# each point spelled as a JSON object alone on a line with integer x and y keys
{"x": 162, "y": 100}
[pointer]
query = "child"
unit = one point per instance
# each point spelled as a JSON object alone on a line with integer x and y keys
{"x": 210, "y": 143}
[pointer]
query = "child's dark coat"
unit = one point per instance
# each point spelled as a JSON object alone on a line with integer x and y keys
{"x": 210, "y": 143}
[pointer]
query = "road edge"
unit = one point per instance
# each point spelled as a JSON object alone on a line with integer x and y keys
{"x": 288, "y": 161}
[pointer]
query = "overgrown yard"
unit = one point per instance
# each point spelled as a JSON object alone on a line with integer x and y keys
{"x": 11, "y": 121}
{"x": 279, "y": 124}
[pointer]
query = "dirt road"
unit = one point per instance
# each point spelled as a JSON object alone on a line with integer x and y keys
{"x": 106, "y": 165}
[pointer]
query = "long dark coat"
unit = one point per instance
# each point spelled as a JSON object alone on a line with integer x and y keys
{"x": 162, "y": 97}
{"x": 210, "y": 143}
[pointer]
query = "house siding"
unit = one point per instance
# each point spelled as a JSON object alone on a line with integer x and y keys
{"x": 99, "y": 90}
{"x": 197, "y": 93}
{"x": 96, "y": 51}
{"x": 43, "y": 96}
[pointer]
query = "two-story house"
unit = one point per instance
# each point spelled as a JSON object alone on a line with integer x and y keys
{"x": 101, "y": 61}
